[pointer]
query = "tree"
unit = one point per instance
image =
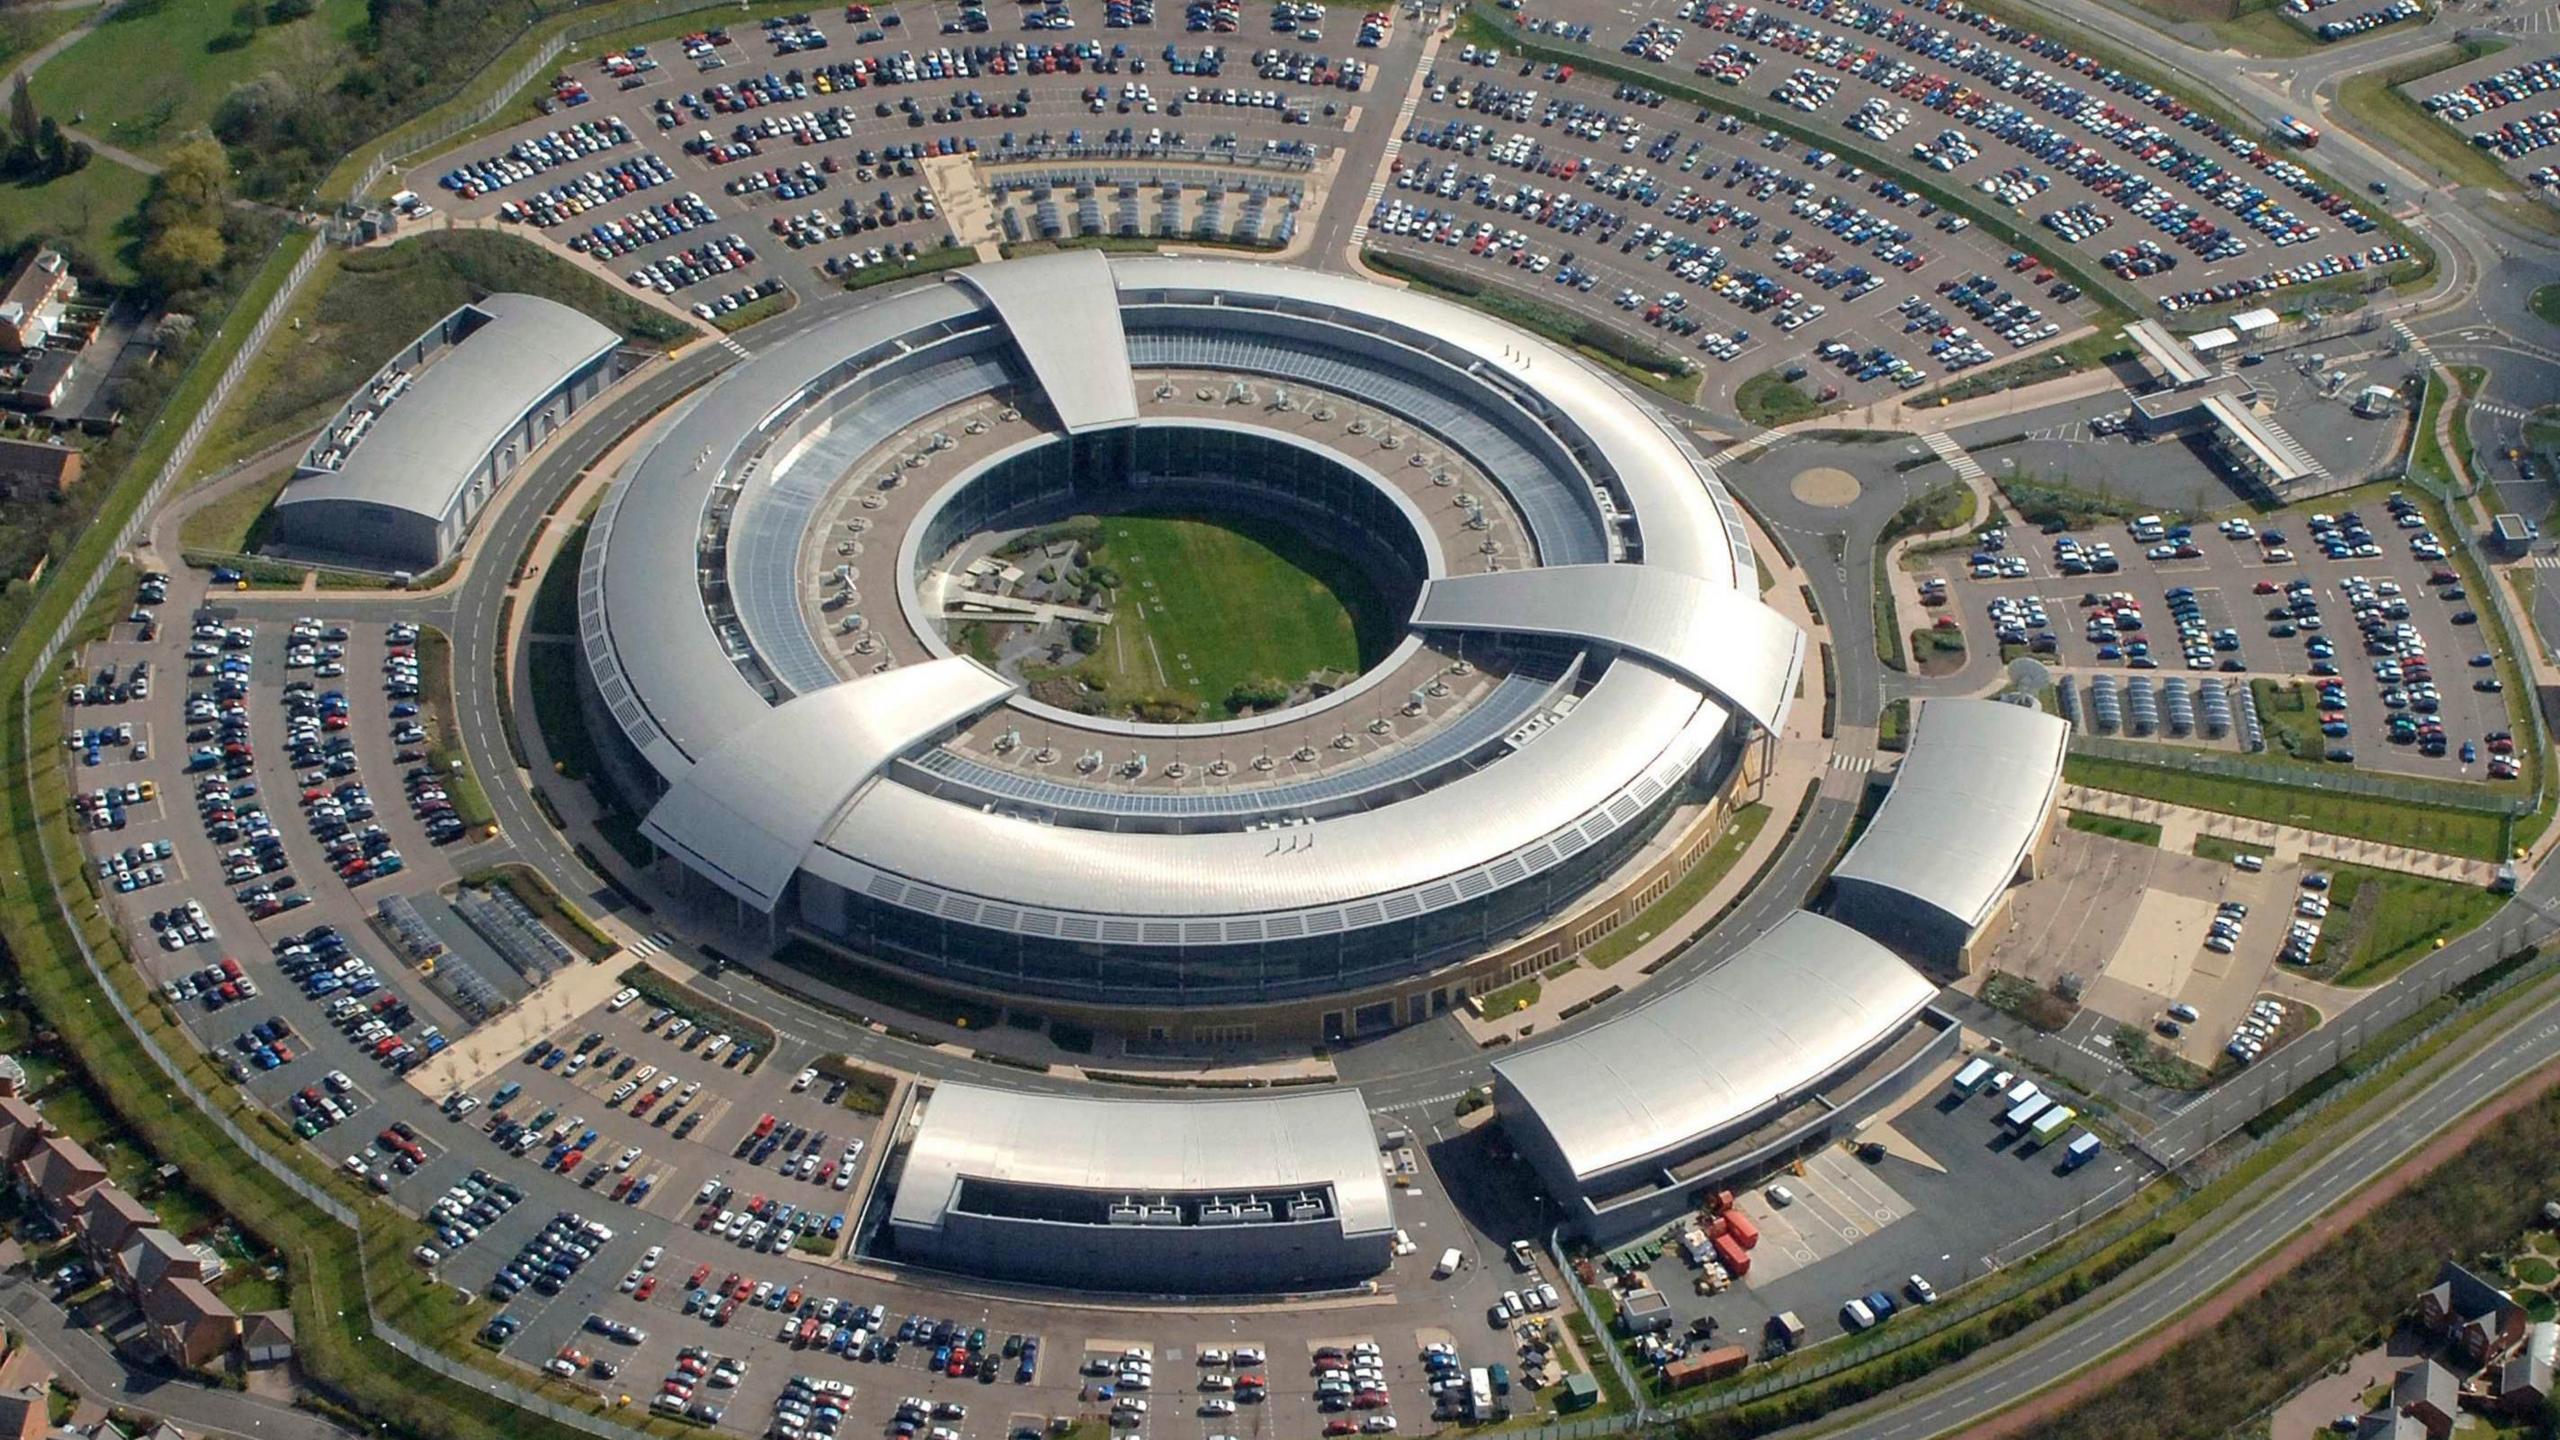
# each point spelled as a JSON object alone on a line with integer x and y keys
{"x": 182, "y": 256}
{"x": 22, "y": 113}
{"x": 193, "y": 186}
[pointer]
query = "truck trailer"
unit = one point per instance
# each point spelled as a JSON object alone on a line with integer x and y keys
{"x": 1975, "y": 1074}
{"x": 2049, "y": 1126}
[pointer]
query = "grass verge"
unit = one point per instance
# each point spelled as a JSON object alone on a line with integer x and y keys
{"x": 2473, "y": 834}
{"x": 2380, "y": 921}
{"x": 2137, "y": 832}
{"x": 1771, "y": 399}
{"x": 1676, "y": 902}
{"x": 1655, "y": 369}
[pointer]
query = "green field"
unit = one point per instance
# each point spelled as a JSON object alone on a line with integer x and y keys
{"x": 94, "y": 210}
{"x": 2546, "y": 304}
{"x": 2115, "y": 827}
{"x": 154, "y": 72}
{"x": 2476, "y": 834}
{"x": 2381, "y": 920}
{"x": 1207, "y": 603}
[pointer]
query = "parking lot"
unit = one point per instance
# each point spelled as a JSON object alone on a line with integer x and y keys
{"x": 2184, "y": 209}
{"x": 2502, "y": 104}
{"x": 2371, "y": 647}
{"x": 711, "y": 164}
{"x": 1738, "y": 251}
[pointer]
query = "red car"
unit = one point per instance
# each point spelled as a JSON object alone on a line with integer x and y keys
{"x": 648, "y": 1287}
{"x": 700, "y": 1274}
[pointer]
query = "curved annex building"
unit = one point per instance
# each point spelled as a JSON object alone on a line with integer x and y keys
{"x": 769, "y": 600}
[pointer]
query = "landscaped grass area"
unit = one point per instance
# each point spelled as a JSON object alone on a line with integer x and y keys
{"x": 1675, "y": 903}
{"x": 2138, "y": 832}
{"x": 364, "y": 305}
{"x": 232, "y": 524}
{"x": 2430, "y": 146}
{"x": 1511, "y": 999}
{"x": 443, "y": 721}
{"x": 2546, "y": 304}
{"x": 153, "y": 72}
{"x": 94, "y": 210}
{"x": 2472, "y": 833}
{"x": 1206, "y": 605}
{"x": 2284, "y": 710}
{"x": 2381, "y": 920}
{"x": 1770, "y": 398}
{"x": 2214, "y": 847}
{"x": 555, "y": 599}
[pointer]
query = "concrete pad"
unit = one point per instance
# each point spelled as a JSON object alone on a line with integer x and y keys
{"x": 2163, "y": 942}
{"x": 1901, "y": 1146}
{"x": 1827, "y": 487}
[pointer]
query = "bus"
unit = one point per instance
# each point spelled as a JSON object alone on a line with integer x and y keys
{"x": 2297, "y": 132}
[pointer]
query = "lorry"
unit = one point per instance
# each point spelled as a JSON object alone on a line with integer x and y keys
{"x": 1975, "y": 1074}
{"x": 2023, "y": 1114}
{"x": 2049, "y": 1126}
{"x": 1786, "y": 1332}
{"x": 1480, "y": 1393}
{"x": 1704, "y": 1366}
{"x": 2084, "y": 1147}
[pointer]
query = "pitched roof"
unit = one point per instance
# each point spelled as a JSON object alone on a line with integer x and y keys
{"x": 21, "y": 1125}
{"x": 184, "y": 1303}
{"x": 262, "y": 1328}
{"x": 2429, "y": 1383}
{"x": 2467, "y": 1295}
{"x": 110, "y": 1216}
{"x": 148, "y": 1255}
{"x": 23, "y": 1414}
{"x": 62, "y": 1169}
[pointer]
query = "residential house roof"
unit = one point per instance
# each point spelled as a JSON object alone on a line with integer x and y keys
{"x": 183, "y": 1308}
{"x": 21, "y": 1126}
{"x": 61, "y": 1171}
{"x": 150, "y": 1256}
{"x": 29, "y": 466}
{"x": 110, "y": 1217}
{"x": 2427, "y": 1383}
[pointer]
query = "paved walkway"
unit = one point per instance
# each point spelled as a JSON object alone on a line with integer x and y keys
{"x": 2180, "y": 825}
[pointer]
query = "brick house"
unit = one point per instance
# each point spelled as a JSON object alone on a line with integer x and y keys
{"x": 187, "y": 1323}
{"x": 151, "y": 1257}
{"x": 34, "y": 470}
{"x": 56, "y": 1175}
{"x": 109, "y": 1218}
{"x": 2429, "y": 1394}
{"x": 32, "y": 305}
{"x": 21, "y": 1126}
{"x": 2477, "y": 1318}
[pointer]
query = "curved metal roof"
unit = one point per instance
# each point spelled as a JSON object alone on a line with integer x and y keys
{"x": 1111, "y": 1147}
{"x": 425, "y": 447}
{"x": 1738, "y": 649}
{"x": 1064, "y": 316}
{"x": 1637, "y": 725}
{"x": 1969, "y": 799}
{"x": 1707, "y": 1057}
{"x": 1683, "y": 525}
{"x": 747, "y": 813}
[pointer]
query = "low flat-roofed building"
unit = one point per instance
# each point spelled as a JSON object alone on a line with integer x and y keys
{"x": 406, "y": 466}
{"x": 2253, "y": 323}
{"x": 2512, "y": 534}
{"x": 2213, "y": 342}
{"x": 1274, "y": 1192}
{"x": 1799, "y": 1034}
{"x": 2256, "y": 447}
{"x": 1971, "y": 807}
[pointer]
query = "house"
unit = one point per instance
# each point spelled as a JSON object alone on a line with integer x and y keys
{"x": 2429, "y": 1394}
{"x": 57, "y": 1175}
{"x": 2480, "y": 1320}
{"x": 151, "y": 1257}
{"x": 266, "y": 1338}
{"x": 31, "y": 308}
{"x": 21, "y": 1126}
{"x": 187, "y": 1323}
{"x": 31, "y": 470}
{"x": 23, "y": 1383}
{"x": 2524, "y": 1383}
{"x": 108, "y": 1219}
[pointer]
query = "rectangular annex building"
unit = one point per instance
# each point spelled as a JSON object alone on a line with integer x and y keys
{"x": 406, "y": 466}
{"x": 1972, "y": 805}
{"x": 1275, "y": 1192}
{"x": 1803, "y": 1032}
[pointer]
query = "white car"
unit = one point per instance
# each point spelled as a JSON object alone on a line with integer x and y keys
{"x": 803, "y": 1080}
{"x": 1217, "y": 1405}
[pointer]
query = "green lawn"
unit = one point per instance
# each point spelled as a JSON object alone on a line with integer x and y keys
{"x": 555, "y": 599}
{"x": 2214, "y": 847}
{"x": 364, "y": 305}
{"x": 154, "y": 72}
{"x": 24, "y": 31}
{"x": 230, "y": 525}
{"x": 2546, "y": 304}
{"x": 94, "y": 210}
{"x": 2381, "y": 920}
{"x": 1770, "y": 398}
{"x": 2474, "y": 834}
{"x": 1205, "y": 604}
{"x": 2137, "y": 832}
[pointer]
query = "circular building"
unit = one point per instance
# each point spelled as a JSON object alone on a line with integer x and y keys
{"x": 1192, "y": 646}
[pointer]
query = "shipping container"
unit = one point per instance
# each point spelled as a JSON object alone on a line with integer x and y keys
{"x": 1975, "y": 1074}
{"x": 1706, "y": 1365}
{"x": 2050, "y": 1125}
{"x": 1729, "y": 1253}
{"x": 2084, "y": 1147}
{"x": 1739, "y": 1226}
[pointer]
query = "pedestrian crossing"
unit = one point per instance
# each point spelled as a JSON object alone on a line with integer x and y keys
{"x": 1854, "y": 764}
{"x": 1957, "y": 460}
{"x": 1742, "y": 450}
{"x": 2417, "y": 344}
{"x": 2543, "y": 562}
{"x": 730, "y": 344}
{"x": 655, "y": 941}
{"x": 2503, "y": 412}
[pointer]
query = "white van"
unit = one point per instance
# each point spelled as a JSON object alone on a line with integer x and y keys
{"x": 1448, "y": 1266}
{"x": 1856, "y": 1316}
